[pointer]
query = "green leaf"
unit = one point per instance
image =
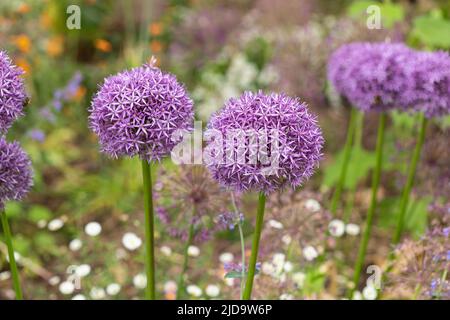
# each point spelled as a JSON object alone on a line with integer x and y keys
{"x": 39, "y": 213}
{"x": 416, "y": 215}
{"x": 432, "y": 31}
{"x": 361, "y": 162}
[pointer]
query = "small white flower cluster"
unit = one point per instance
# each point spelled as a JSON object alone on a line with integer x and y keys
{"x": 211, "y": 290}
{"x": 337, "y": 228}
{"x": 278, "y": 268}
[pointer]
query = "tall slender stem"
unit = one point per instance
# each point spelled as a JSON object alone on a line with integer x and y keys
{"x": 186, "y": 256}
{"x": 373, "y": 204}
{"x": 346, "y": 160}
{"x": 255, "y": 246}
{"x": 149, "y": 231}
{"x": 12, "y": 259}
{"x": 410, "y": 180}
{"x": 241, "y": 236}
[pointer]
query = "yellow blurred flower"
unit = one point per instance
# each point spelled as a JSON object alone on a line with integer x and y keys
{"x": 103, "y": 45}
{"x": 22, "y": 63}
{"x": 22, "y": 42}
{"x": 23, "y": 8}
{"x": 155, "y": 28}
{"x": 156, "y": 46}
{"x": 55, "y": 46}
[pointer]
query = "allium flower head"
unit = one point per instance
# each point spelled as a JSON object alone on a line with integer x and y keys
{"x": 12, "y": 92}
{"x": 141, "y": 112}
{"x": 371, "y": 75}
{"x": 429, "y": 89}
{"x": 188, "y": 195}
{"x": 263, "y": 142}
{"x": 15, "y": 172}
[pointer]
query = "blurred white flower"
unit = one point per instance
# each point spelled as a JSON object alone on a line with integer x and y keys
{"x": 79, "y": 297}
{"x": 194, "y": 290}
{"x": 5, "y": 275}
{"x": 75, "y": 245}
{"x": 357, "y": 295}
{"x": 352, "y": 229}
{"x": 97, "y": 293}
{"x": 275, "y": 224}
{"x": 93, "y": 229}
{"x": 166, "y": 250}
{"x": 288, "y": 266}
{"x": 336, "y": 228}
{"x": 212, "y": 290}
{"x": 229, "y": 282}
{"x": 53, "y": 281}
{"x": 278, "y": 258}
{"x": 41, "y": 224}
{"x": 55, "y": 224}
{"x": 113, "y": 289}
{"x": 140, "y": 281}
{"x": 286, "y": 296}
{"x": 299, "y": 279}
{"x": 267, "y": 268}
{"x": 287, "y": 239}
{"x": 226, "y": 257}
{"x": 193, "y": 251}
{"x": 131, "y": 241}
{"x": 83, "y": 270}
{"x": 17, "y": 256}
{"x": 66, "y": 287}
{"x": 310, "y": 253}
{"x": 312, "y": 205}
{"x": 170, "y": 286}
{"x": 369, "y": 293}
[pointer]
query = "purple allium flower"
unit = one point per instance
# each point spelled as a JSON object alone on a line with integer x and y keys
{"x": 229, "y": 220}
{"x": 289, "y": 138}
{"x": 372, "y": 76}
{"x": 136, "y": 112}
{"x": 12, "y": 92}
{"x": 429, "y": 89}
{"x": 16, "y": 175}
{"x": 37, "y": 135}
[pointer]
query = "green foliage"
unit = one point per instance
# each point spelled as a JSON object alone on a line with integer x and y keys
{"x": 416, "y": 217}
{"x": 433, "y": 31}
{"x": 390, "y": 12}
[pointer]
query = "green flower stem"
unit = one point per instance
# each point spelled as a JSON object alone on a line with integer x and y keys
{"x": 12, "y": 259}
{"x": 373, "y": 204}
{"x": 185, "y": 258}
{"x": 410, "y": 180}
{"x": 255, "y": 246}
{"x": 241, "y": 236}
{"x": 149, "y": 231}
{"x": 346, "y": 160}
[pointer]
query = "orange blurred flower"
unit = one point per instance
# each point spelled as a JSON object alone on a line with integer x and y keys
{"x": 171, "y": 295}
{"x": 23, "y": 8}
{"x": 155, "y": 28}
{"x": 103, "y": 45}
{"x": 22, "y": 42}
{"x": 55, "y": 46}
{"x": 22, "y": 63}
{"x": 156, "y": 46}
{"x": 81, "y": 91}
{"x": 45, "y": 20}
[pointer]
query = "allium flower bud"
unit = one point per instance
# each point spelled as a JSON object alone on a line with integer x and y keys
{"x": 141, "y": 112}
{"x": 12, "y": 92}
{"x": 263, "y": 142}
{"x": 15, "y": 172}
{"x": 371, "y": 75}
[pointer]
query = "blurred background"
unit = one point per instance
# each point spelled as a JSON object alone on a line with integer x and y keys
{"x": 85, "y": 211}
